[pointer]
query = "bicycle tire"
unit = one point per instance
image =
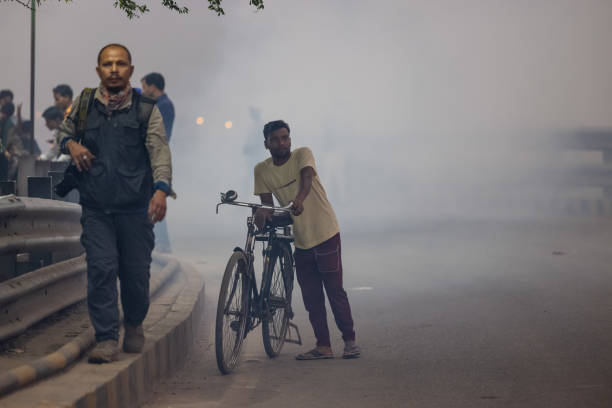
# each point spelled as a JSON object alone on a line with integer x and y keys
{"x": 277, "y": 295}
{"x": 232, "y": 313}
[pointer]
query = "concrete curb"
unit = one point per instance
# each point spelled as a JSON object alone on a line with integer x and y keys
{"x": 52, "y": 363}
{"x": 170, "y": 330}
{"x": 170, "y": 342}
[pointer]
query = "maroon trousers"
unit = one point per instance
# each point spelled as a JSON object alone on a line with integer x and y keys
{"x": 318, "y": 267}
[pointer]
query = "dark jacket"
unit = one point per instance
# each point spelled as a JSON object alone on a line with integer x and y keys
{"x": 121, "y": 178}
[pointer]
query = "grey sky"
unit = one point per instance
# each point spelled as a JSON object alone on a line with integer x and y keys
{"x": 433, "y": 105}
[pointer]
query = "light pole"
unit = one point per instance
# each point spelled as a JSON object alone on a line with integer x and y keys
{"x": 32, "y": 69}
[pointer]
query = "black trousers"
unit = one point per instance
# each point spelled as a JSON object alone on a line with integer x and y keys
{"x": 117, "y": 245}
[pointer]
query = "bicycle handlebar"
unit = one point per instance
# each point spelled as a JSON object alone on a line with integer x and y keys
{"x": 286, "y": 209}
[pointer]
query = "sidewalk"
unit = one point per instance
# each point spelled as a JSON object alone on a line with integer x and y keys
{"x": 169, "y": 328}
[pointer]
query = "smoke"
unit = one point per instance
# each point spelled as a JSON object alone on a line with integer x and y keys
{"x": 412, "y": 108}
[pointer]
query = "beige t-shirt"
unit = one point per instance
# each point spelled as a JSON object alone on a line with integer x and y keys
{"x": 318, "y": 222}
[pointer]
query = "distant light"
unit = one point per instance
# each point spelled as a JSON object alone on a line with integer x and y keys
{"x": 228, "y": 124}
{"x": 200, "y": 121}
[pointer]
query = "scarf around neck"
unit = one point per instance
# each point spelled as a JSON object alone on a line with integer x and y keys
{"x": 116, "y": 100}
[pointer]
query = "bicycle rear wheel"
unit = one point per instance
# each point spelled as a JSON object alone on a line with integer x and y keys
{"x": 277, "y": 295}
{"x": 232, "y": 313}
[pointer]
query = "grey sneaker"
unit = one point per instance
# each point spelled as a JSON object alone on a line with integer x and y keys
{"x": 351, "y": 350}
{"x": 134, "y": 339}
{"x": 105, "y": 352}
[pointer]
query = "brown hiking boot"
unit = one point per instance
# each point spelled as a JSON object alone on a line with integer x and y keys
{"x": 134, "y": 339}
{"x": 105, "y": 352}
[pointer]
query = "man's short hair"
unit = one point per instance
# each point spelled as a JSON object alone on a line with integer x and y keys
{"x": 53, "y": 113}
{"x": 114, "y": 45}
{"x": 26, "y": 126}
{"x": 63, "y": 90}
{"x": 8, "y": 109}
{"x": 275, "y": 125}
{"x": 155, "y": 78}
{"x": 6, "y": 92}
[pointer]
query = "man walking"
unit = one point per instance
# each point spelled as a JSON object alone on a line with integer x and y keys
{"x": 153, "y": 86}
{"x": 291, "y": 176}
{"x": 125, "y": 175}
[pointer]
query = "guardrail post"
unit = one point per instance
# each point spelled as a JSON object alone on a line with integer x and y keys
{"x": 56, "y": 178}
{"x": 27, "y": 166}
{"x": 7, "y": 188}
{"x": 8, "y": 267}
{"x": 39, "y": 187}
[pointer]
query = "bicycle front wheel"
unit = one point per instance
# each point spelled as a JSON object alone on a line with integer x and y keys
{"x": 232, "y": 313}
{"x": 277, "y": 295}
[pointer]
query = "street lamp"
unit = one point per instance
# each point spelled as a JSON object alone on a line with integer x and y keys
{"x": 32, "y": 68}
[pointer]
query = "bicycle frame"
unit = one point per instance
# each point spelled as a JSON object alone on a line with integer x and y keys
{"x": 258, "y": 310}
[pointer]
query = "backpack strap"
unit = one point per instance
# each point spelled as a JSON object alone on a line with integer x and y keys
{"x": 145, "y": 107}
{"x": 85, "y": 101}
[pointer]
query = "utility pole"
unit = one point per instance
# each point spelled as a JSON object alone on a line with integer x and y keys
{"x": 32, "y": 69}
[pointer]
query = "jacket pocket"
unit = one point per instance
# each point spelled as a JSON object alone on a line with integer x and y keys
{"x": 130, "y": 185}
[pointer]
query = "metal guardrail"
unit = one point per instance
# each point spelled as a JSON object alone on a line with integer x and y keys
{"x": 23, "y": 216}
{"x": 30, "y": 225}
{"x": 37, "y": 231}
{"x": 596, "y": 175}
{"x": 52, "y": 363}
{"x": 27, "y": 299}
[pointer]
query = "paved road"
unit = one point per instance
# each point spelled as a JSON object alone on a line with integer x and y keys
{"x": 454, "y": 314}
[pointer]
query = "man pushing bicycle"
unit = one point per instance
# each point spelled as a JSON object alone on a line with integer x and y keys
{"x": 291, "y": 176}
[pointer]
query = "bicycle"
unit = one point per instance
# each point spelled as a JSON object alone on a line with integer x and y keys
{"x": 241, "y": 307}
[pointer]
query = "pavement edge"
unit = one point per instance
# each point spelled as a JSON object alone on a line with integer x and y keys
{"x": 171, "y": 341}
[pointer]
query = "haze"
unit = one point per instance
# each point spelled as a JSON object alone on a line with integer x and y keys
{"x": 413, "y": 109}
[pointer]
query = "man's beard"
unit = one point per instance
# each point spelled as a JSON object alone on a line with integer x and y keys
{"x": 282, "y": 155}
{"x": 114, "y": 89}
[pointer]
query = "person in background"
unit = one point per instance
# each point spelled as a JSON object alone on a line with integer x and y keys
{"x": 10, "y": 143}
{"x": 30, "y": 146}
{"x": 53, "y": 119}
{"x": 153, "y": 86}
{"x": 62, "y": 95}
{"x": 6, "y": 96}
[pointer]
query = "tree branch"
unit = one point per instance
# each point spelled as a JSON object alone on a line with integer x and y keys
{"x": 134, "y": 9}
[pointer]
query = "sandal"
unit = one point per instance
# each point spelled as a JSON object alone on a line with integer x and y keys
{"x": 351, "y": 351}
{"x": 314, "y": 354}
